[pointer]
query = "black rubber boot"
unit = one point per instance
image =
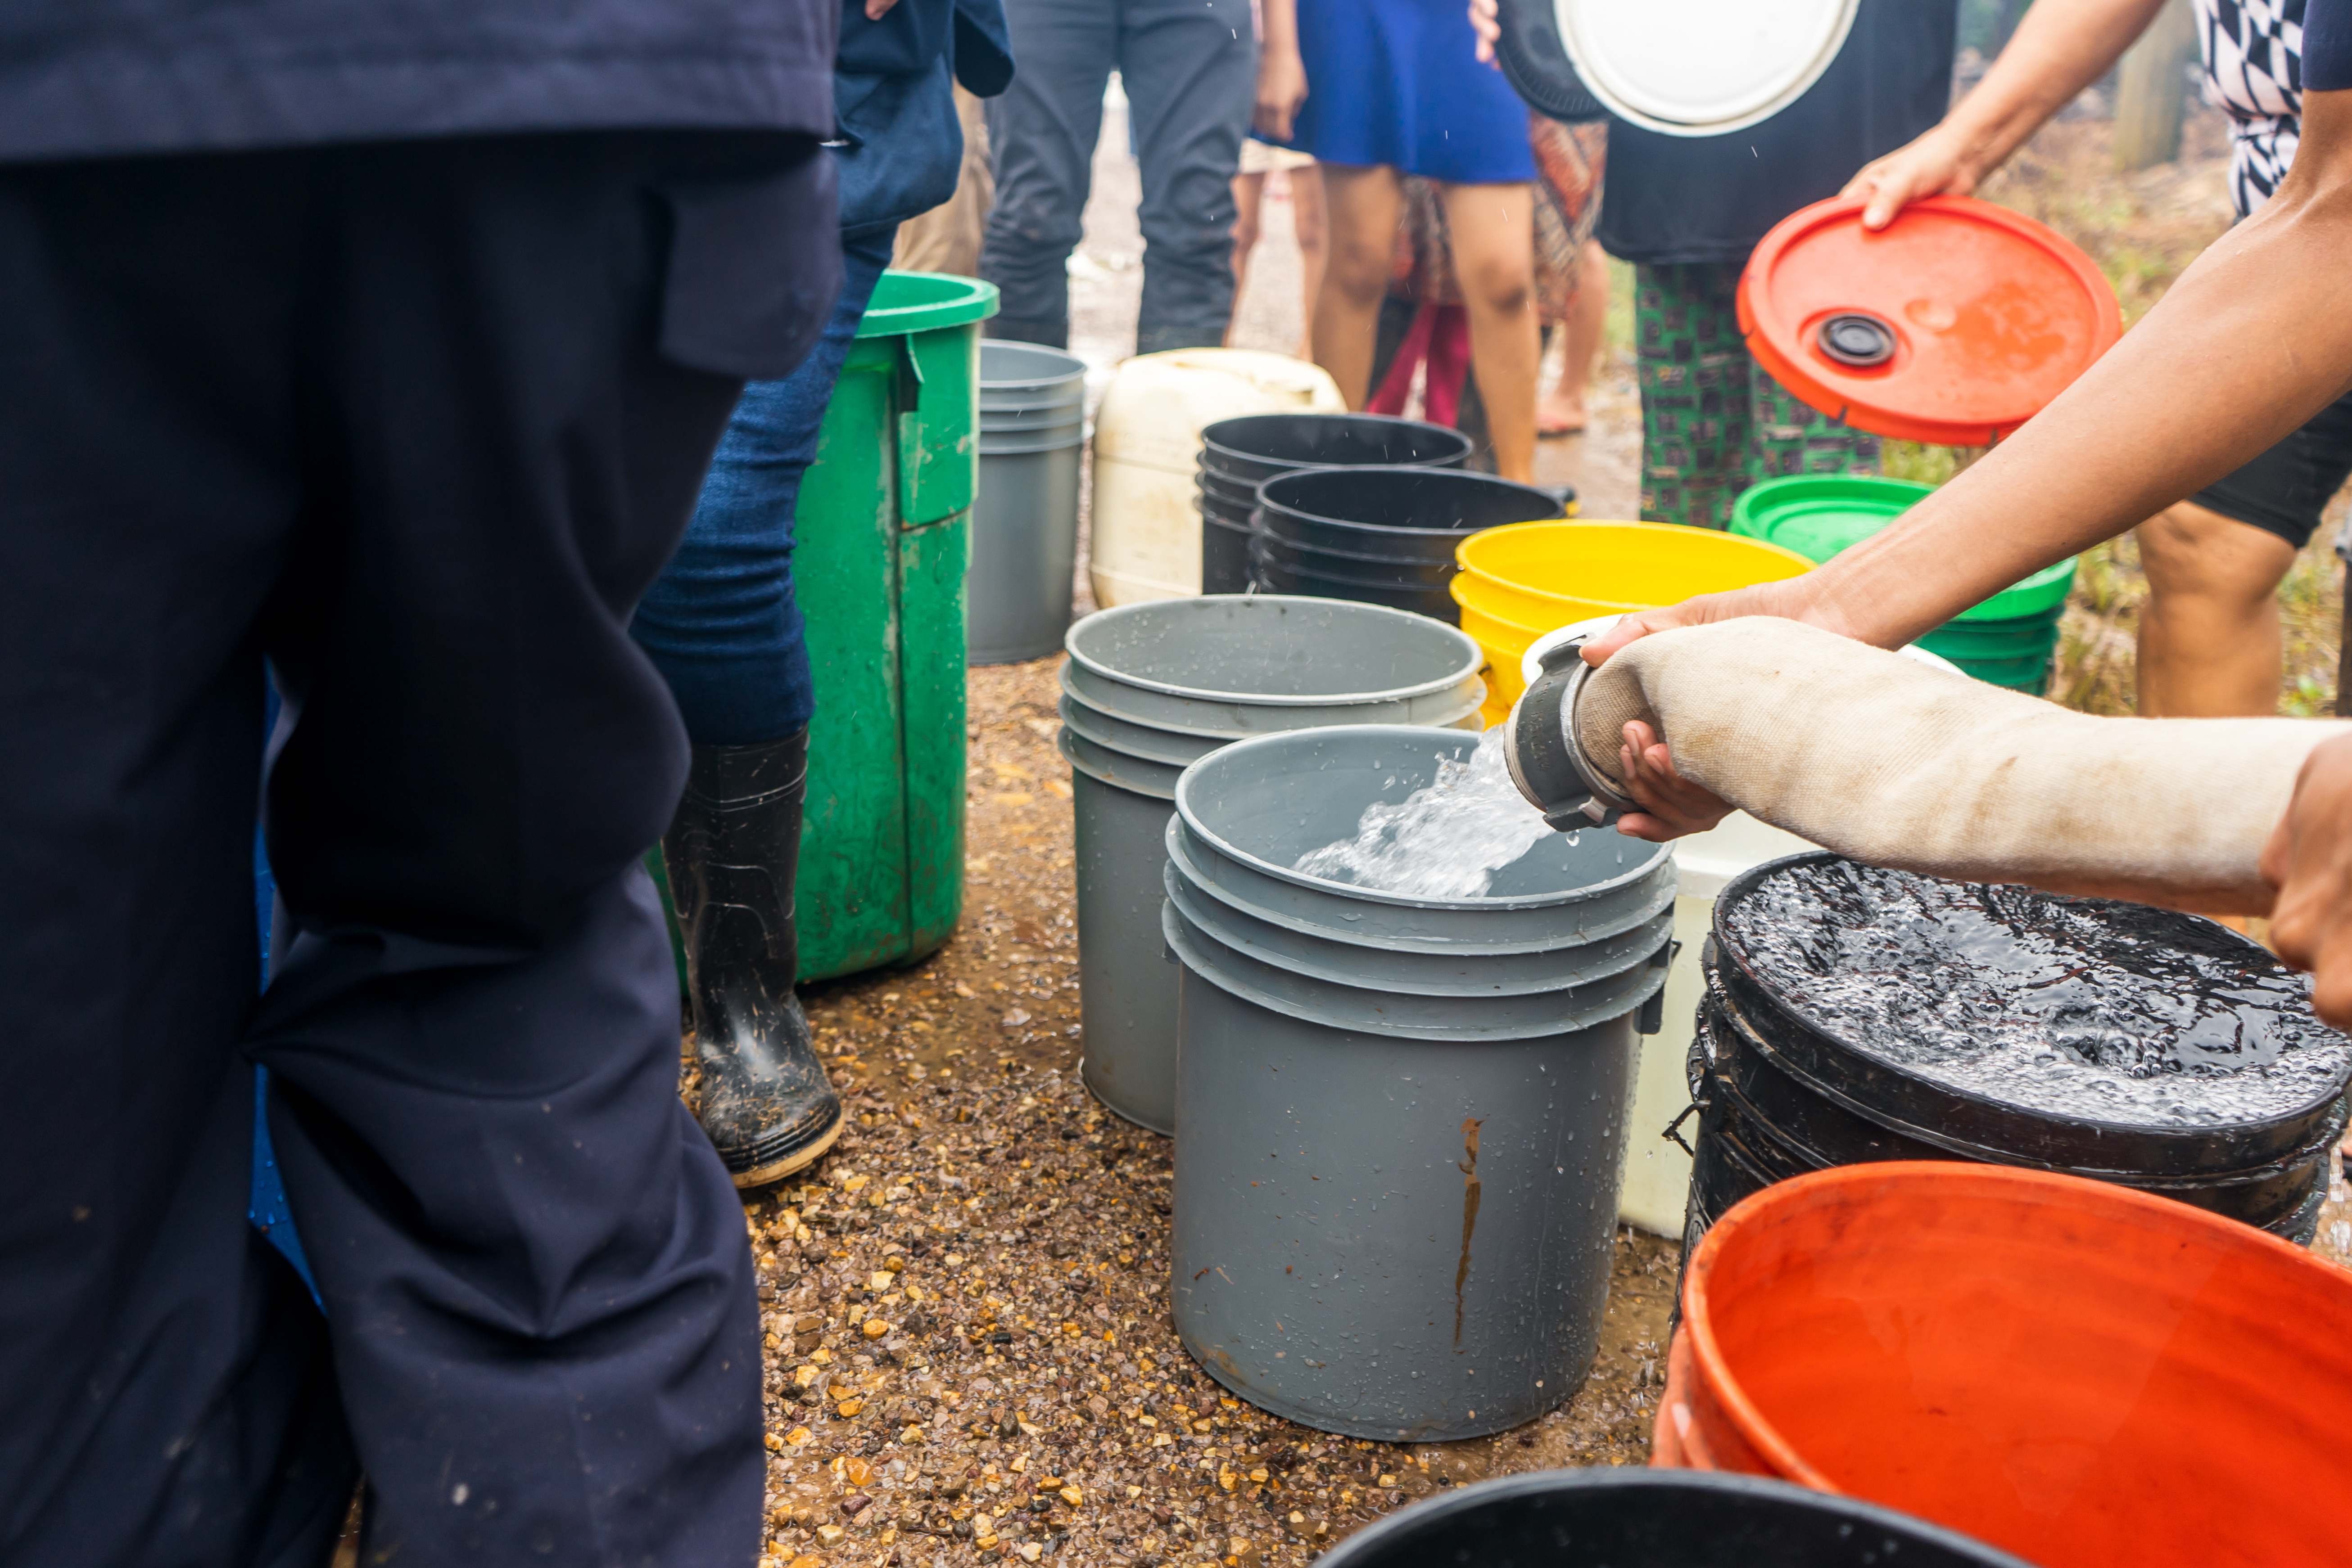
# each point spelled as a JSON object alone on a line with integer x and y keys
{"x": 732, "y": 852}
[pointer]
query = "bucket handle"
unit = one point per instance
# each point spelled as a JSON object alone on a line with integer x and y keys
{"x": 1694, "y": 1066}
{"x": 1652, "y": 1016}
{"x": 1672, "y": 1134}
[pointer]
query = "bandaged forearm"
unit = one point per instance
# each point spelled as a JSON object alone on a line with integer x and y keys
{"x": 1898, "y": 763}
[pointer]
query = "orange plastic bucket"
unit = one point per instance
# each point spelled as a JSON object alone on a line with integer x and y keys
{"x": 2086, "y": 1376}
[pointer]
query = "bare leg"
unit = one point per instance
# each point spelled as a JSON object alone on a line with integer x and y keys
{"x": 1361, "y": 207}
{"x": 1249, "y": 194}
{"x": 1494, "y": 256}
{"x": 2209, "y": 635}
{"x": 1562, "y": 412}
{"x": 1313, "y": 230}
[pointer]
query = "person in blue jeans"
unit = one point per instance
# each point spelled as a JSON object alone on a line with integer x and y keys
{"x": 723, "y": 627}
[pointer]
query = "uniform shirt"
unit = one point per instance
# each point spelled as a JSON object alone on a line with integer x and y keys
{"x": 1710, "y": 198}
{"x": 84, "y": 78}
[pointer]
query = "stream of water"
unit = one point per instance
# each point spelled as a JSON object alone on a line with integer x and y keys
{"x": 1444, "y": 841}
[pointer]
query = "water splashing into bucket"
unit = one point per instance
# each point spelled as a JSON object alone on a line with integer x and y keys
{"x": 1444, "y": 841}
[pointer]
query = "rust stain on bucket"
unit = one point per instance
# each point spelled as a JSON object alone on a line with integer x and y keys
{"x": 1469, "y": 1164}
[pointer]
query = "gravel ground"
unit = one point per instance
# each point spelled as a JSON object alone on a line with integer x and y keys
{"x": 969, "y": 1356}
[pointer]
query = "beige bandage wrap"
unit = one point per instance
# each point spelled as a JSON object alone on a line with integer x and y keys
{"x": 1897, "y": 763}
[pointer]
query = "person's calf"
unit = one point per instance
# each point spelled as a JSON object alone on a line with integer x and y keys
{"x": 2208, "y": 633}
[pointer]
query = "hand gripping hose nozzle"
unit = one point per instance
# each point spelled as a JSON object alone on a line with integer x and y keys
{"x": 1546, "y": 761}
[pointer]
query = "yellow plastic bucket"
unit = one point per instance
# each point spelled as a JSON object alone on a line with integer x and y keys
{"x": 1520, "y": 582}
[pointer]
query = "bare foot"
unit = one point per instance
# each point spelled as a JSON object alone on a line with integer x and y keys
{"x": 1558, "y": 413}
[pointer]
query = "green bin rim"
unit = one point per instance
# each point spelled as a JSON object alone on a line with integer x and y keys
{"x": 908, "y": 302}
{"x": 1752, "y": 517}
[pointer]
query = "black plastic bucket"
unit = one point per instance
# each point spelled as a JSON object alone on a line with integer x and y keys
{"x": 1343, "y": 566}
{"x": 1780, "y": 1093}
{"x": 1236, "y": 455}
{"x": 1399, "y": 514}
{"x": 1656, "y": 1519}
{"x": 1269, "y": 576}
{"x": 1257, "y": 447}
{"x": 1226, "y": 507}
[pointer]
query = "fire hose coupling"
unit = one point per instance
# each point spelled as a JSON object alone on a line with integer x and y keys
{"x": 1546, "y": 761}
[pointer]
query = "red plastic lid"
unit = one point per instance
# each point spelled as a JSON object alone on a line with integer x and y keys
{"x": 1954, "y": 324}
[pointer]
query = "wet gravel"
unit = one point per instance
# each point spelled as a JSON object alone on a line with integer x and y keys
{"x": 969, "y": 1353}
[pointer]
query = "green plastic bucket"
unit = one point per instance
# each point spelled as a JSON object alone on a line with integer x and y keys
{"x": 2017, "y": 674}
{"x": 1818, "y": 515}
{"x": 882, "y": 539}
{"x": 2033, "y": 639}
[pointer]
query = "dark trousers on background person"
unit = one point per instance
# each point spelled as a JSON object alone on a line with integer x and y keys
{"x": 1189, "y": 71}
{"x": 417, "y": 423}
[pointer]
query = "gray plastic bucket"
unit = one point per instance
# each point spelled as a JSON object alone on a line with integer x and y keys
{"x": 1396, "y": 1176}
{"x": 1229, "y": 665}
{"x": 1024, "y": 527}
{"x": 1150, "y": 688}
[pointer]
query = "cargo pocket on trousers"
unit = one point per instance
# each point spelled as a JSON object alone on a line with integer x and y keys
{"x": 754, "y": 267}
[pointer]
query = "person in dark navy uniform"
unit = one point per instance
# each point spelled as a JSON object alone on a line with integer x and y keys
{"x": 389, "y": 344}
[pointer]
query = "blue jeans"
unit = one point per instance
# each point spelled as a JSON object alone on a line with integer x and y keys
{"x": 721, "y": 622}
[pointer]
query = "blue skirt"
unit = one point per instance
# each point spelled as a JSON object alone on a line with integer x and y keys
{"x": 1398, "y": 82}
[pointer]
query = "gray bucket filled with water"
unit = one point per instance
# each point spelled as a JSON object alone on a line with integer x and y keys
{"x": 1024, "y": 518}
{"x": 1150, "y": 688}
{"x": 1400, "y": 1118}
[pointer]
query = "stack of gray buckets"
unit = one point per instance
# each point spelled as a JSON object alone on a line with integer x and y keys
{"x": 1149, "y": 688}
{"x": 1024, "y": 520}
{"x": 1399, "y": 1121}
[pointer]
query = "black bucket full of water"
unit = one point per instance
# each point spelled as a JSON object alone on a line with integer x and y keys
{"x": 1855, "y": 1015}
{"x": 1238, "y": 455}
{"x": 1656, "y": 1519}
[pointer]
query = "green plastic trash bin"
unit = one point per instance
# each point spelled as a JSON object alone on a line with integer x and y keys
{"x": 882, "y": 539}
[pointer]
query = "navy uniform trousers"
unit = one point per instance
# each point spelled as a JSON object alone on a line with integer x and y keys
{"x": 412, "y": 422}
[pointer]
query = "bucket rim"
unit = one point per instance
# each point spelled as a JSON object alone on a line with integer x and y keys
{"x": 1067, "y": 742}
{"x": 969, "y": 300}
{"x": 1090, "y": 717}
{"x": 1723, "y": 1035}
{"x": 1759, "y": 1211}
{"x": 1471, "y": 569}
{"x": 1178, "y": 932}
{"x": 1181, "y": 856}
{"x": 1397, "y": 1528}
{"x": 1727, "y": 953}
{"x": 1470, "y": 705}
{"x": 1210, "y": 442}
{"x": 1559, "y": 512}
{"x": 1210, "y": 914}
{"x": 1199, "y": 776}
{"x": 991, "y": 384}
{"x": 1473, "y": 657}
